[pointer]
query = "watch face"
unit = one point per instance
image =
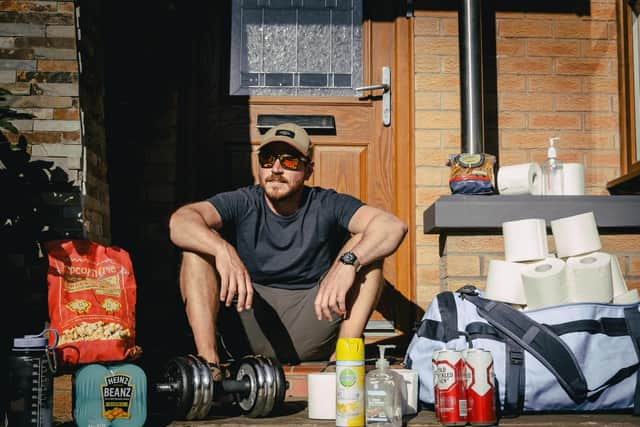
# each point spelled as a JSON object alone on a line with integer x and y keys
{"x": 348, "y": 258}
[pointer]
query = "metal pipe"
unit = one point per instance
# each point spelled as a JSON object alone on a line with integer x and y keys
{"x": 471, "y": 80}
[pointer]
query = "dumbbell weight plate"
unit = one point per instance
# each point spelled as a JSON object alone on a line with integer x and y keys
{"x": 206, "y": 383}
{"x": 196, "y": 378}
{"x": 269, "y": 385}
{"x": 280, "y": 384}
{"x": 178, "y": 373}
{"x": 251, "y": 403}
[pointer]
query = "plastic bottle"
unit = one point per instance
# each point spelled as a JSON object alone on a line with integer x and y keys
{"x": 552, "y": 173}
{"x": 32, "y": 364}
{"x": 350, "y": 382}
{"x": 384, "y": 395}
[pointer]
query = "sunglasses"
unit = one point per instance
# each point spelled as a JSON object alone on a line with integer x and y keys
{"x": 287, "y": 161}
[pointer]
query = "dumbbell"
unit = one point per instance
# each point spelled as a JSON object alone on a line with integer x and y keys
{"x": 257, "y": 385}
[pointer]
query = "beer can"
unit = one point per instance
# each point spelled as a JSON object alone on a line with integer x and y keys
{"x": 434, "y": 368}
{"x": 480, "y": 379}
{"x": 452, "y": 394}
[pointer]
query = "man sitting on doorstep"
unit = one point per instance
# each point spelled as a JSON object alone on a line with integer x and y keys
{"x": 280, "y": 268}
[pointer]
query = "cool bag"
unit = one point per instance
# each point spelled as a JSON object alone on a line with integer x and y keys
{"x": 573, "y": 357}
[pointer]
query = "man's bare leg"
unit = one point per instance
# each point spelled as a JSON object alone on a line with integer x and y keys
{"x": 362, "y": 298}
{"x": 199, "y": 286}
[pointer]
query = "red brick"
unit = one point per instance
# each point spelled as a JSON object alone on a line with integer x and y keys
{"x": 525, "y": 102}
{"x": 513, "y": 157}
{"x": 589, "y": 67}
{"x": 427, "y": 101}
{"x": 437, "y": 82}
{"x": 428, "y": 274}
{"x": 427, "y": 64}
{"x": 474, "y": 244}
{"x": 428, "y": 255}
{"x": 462, "y": 265}
{"x": 431, "y": 158}
{"x": 511, "y": 120}
{"x": 450, "y": 100}
{"x": 451, "y": 140}
{"x": 426, "y": 196}
{"x": 436, "y": 46}
{"x": 602, "y": 11}
{"x": 599, "y": 48}
{"x": 510, "y": 47}
{"x": 600, "y": 85}
{"x": 437, "y": 119}
{"x": 524, "y": 65}
{"x": 66, "y": 114}
{"x": 601, "y": 122}
{"x": 554, "y": 121}
{"x": 600, "y": 176}
{"x": 553, "y": 48}
{"x": 431, "y": 176}
{"x": 426, "y": 26}
{"x": 601, "y": 158}
{"x": 584, "y": 103}
{"x": 511, "y": 83}
{"x": 523, "y": 28}
{"x": 450, "y": 64}
{"x": 449, "y": 27}
{"x": 427, "y": 139}
{"x": 582, "y": 30}
{"x": 539, "y": 140}
{"x": 562, "y": 84}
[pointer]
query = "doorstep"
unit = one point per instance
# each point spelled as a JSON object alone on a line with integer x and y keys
{"x": 294, "y": 411}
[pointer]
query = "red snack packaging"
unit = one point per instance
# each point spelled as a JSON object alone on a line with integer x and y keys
{"x": 92, "y": 298}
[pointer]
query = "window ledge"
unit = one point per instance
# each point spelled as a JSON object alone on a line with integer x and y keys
{"x": 460, "y": 214}
{"x": 626, "y": 184}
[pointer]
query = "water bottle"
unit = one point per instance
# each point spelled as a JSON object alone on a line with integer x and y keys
{"x": 32, "y": 364}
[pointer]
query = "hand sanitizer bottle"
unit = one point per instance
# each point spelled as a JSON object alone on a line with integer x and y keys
{"x": 383, "y": 394}
{"x": 552, "y": 174}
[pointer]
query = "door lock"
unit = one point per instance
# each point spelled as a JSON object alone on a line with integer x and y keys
{"x": 386, "y": 94}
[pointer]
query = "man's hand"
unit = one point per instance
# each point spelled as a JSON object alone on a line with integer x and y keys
{"x": 332, "y": 294}
{"x": 234, "y": 278}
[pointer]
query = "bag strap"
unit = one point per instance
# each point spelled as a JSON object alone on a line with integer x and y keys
{"x": 537, "y": 339}
{"x": 449, "y": 315}
{"x": 632, "y": 316}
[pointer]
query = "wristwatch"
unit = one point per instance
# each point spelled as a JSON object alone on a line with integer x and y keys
{"x": 349, "y": 258}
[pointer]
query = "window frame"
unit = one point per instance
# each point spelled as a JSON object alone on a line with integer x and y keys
{"x": 629, "y": 162}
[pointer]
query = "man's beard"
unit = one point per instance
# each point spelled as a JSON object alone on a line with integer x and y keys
{"x": 279, "y": 195}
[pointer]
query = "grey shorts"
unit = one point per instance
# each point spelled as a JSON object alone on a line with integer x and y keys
{"x": 281, "y": 324}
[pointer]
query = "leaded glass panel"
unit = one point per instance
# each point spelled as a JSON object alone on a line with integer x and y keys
{"x": 296, "y": 47}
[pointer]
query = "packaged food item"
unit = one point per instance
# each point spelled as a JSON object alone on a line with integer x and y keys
{"x": 472, "y": 173}
{"x": 92, "y": 297}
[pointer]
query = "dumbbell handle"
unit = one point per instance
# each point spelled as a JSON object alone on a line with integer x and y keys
{"x": 236, "y": 386}
{"x": 166, "y": 387}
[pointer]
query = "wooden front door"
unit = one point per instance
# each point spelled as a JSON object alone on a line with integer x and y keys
{"x": 362, "y": 156}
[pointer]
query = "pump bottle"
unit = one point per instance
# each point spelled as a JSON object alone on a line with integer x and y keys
{"x": 383, "y": 394}
{"x": 552, "y": 173}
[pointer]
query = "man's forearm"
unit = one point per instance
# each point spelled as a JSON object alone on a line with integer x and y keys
{"x": 380, "y": 238}
{"x": 189, "y": 231}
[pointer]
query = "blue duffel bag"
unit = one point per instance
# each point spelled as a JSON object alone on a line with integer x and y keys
{"x": 574, "y": 357}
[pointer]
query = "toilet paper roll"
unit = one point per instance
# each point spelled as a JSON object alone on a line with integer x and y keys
{"x": 629, "y": 297}
{"x": 410, "y": 400}
{"x": 589, "y": 278}
{"x": 617, "y": 278}
{"x": 518, "y": 179}
{"x": 525, "y": 240}
{"x": 573, "y": 177}
{"x": 545, "y": 283}
{"x": 321, "y": 392}
{"x": 504, "y": 282}
{"x": 576, "y": 235}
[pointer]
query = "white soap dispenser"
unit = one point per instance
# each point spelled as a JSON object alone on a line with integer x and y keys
{"x": 383, "y": 394}
{"x": 552, "y": 174}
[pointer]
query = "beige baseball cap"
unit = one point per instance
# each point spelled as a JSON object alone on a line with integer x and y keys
{"x": 291, "y": 134}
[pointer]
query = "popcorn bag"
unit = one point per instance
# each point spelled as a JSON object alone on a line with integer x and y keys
{"x": 92, "y": 297}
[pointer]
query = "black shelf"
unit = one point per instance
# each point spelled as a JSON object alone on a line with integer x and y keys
{"x": 460, "y": 214}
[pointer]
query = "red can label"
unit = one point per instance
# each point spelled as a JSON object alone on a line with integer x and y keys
{"x": 480, "y": 387}
{"x": 452, "y": 396}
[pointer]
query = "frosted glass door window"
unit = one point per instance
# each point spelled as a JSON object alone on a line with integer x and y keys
{"x": 296, "y": 47}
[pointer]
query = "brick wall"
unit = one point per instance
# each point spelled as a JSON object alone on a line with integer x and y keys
{"x": 556, "y": 76}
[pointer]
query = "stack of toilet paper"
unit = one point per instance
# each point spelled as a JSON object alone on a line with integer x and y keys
{"x": 530, "y": 276}
{"x": 526, "y": 178}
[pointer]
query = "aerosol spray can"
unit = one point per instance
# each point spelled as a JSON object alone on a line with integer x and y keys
{"x": 480, "y": 387}
{"x": 452, "y": 396}
{"x": 32, "y": 364}
{"x": 434, "y": 367}
{"x": 350, "y": 382}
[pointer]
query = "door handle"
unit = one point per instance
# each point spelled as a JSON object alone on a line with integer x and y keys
{"x": 386, "y": 94}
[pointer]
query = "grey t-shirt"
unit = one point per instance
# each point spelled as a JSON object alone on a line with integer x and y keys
{"x": 286, "y": 252}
